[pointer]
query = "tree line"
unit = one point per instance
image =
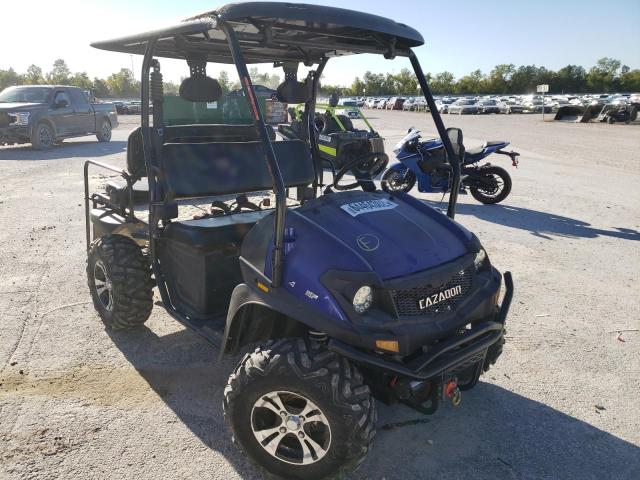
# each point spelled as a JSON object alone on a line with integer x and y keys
{"x": 607, "y": 76}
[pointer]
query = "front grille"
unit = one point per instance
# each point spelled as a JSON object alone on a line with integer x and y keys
{"x": 4, "y": 119}
{"x": 408, "y": 301}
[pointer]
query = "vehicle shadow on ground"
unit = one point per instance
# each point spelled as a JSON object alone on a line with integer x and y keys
{"x": 495, "y": 433}
{"x": 541, "y": 224}
{"x": 83, "y": 149}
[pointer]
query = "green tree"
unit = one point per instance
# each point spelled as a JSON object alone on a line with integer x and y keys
{"x": 9, "y": 77}
{"x": 100, "y": 88}
{"x": 443, "y": 83}
{"x": 225, "y": 83}
{"x": 570, "y": 79}
{"x": 60, "y": 73}
{"x": 603, "y": 76}
{"x": 123, "y": 84}
{"x": 34, "y": 75}
{"x": 499, "y": 79}
{"x": 405, "y": 82}
{"x": 630, "y": 81}
{"x": 472, "y": 83}
{"x": 82, "y": 80}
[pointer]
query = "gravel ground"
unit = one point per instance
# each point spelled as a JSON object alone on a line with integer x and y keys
{"x": 77, "y": 401}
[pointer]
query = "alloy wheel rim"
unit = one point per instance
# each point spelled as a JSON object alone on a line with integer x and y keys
{"x": 290, "y": 427}
{"x": 103, "y": 285}
{"x": 106, "y": 130}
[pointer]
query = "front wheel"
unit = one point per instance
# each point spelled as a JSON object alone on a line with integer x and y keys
{"x": 299, "y": 410}
{"x": 104, "y": 134}
{"x": 398, "y": 181}
{"x": 497, "y": 188}
{"x": 43, "y": 137}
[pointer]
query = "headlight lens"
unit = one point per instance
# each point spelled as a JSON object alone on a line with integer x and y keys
{"x": 481, "y": 260}
{"x": 363, "y": 299}
{"x": 21, "y": 118}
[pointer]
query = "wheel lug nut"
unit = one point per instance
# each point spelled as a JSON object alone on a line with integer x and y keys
{"x": 301, "y": 418}
{"x": 301, "y": 434}
{"x": 283, "y": 430}
{"x": 283, "y": 414}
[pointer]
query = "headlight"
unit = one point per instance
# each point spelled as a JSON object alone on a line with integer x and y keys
{"x": 21, "y": 118}
{"x": 363, "y": 299}
{"x": 481, "y": 260}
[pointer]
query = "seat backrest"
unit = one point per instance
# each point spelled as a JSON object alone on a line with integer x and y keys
{"x": 222, "y": 168}
{"x": 207, "y": 133}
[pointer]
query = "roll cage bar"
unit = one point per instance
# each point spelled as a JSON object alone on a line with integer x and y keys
{"x": 156, "y": 43}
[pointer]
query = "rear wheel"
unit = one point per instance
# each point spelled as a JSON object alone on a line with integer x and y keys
{"x": 119, "y": 278}
{"x": 498, "y": 189}
{"x": 299, "y": 410}
{"x": 104, "y": 134}
{"x": 398, "y": 181}
{"x": 611, "y": 120}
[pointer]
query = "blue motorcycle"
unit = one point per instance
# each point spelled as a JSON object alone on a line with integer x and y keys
{"x": 426, "y": 162}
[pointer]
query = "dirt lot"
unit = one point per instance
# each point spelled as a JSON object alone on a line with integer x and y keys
{"x": 77, "y": 401}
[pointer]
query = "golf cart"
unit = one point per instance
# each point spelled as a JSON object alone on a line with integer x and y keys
{"x": 350, "y": 294}
{"x": 339, "y": 141}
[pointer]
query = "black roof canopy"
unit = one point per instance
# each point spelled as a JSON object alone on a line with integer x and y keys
{"x": 276, "y": 32}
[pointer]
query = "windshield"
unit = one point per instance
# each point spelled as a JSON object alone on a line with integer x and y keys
{"x": 25, "y": 95}
{"x": 412, "y": 135}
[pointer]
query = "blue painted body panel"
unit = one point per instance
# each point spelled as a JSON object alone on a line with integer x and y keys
{"x": 409, "y": 237}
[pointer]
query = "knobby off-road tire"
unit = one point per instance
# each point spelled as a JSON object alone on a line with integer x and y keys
{"x": 300, "y": 368}
{"x": 119, "y": 278}
{"x": 503, "y": 191}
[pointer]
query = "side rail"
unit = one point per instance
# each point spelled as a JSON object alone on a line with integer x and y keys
{"x": 96, "y": 199}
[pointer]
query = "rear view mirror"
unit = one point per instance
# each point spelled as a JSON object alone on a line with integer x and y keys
{"x": 455, "y": 137}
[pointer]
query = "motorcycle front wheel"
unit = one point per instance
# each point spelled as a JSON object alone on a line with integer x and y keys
{"x": 398, "y": 181}
{"x": 498, "y": 186}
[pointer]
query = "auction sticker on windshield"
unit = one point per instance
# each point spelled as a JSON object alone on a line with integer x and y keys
{"x": 367, "y": 206}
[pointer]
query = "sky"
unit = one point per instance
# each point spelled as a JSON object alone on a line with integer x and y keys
{"x": 460, "y": 36}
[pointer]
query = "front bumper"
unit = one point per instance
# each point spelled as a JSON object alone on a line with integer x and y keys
{"x": 444, "y": 356}
{"x": 15, "y": 134}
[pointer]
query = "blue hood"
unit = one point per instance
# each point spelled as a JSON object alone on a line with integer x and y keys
{"x": 393, "y": 236}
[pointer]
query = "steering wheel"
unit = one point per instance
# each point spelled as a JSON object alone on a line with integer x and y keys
{"x": 364, "y": 168}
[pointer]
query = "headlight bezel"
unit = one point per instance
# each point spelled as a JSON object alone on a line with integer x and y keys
{"x": 20, "y": 118}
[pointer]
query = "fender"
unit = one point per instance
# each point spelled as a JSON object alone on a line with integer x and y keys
{"x": 291, "y": 314}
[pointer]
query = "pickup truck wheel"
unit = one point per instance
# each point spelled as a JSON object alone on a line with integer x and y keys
{"x": 42, "y": 137}
{"x": 104, "y": 134}
{"x": 119, "y": 278}
{"x": 299, "y": 410}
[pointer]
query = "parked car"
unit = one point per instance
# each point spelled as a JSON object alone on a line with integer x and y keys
{"x": 381, "y": 105}
{"x": 46, "y": 114}
{"x": 536, "y": 106}
{"x": 394, "y": 103}
{"x": 510, "y": 106}
{"x": 420, "y": 105}
{"x": 463, "y": 106}
{"x": 488, "y": 106}
{"x": 408, "y": 104}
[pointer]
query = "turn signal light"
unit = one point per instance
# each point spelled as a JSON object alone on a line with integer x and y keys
{"x": 262, "y": 287}
{"x": 388, "y": 345}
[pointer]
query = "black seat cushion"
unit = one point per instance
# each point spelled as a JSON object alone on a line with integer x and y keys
{"x": 209, "y": 169}
{"x": 118, "y": 192}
